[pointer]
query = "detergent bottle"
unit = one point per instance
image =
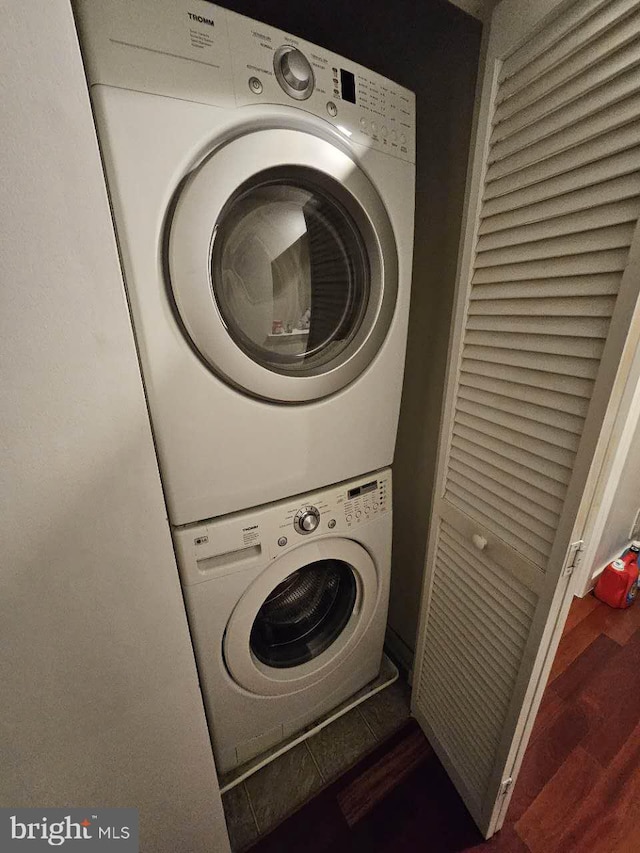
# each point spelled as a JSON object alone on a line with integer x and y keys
{"x": 632, "y": 553}
{"x": 618, "y": 584}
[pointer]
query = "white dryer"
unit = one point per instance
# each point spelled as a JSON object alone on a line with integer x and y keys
{"x": 287, "y": 607}
{"x": 263, "y": 195}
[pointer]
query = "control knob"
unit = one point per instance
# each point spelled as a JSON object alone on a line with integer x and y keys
{"x": 293, "y": 72}
{"x": 306, "y": 519}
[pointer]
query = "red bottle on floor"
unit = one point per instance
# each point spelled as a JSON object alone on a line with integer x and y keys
{"x": 618, "y": 584}
{"x": 632, "y": 553}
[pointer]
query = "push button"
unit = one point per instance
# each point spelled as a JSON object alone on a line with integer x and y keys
{"x": 255, "y": 85}
{"x": 282, "y": 541}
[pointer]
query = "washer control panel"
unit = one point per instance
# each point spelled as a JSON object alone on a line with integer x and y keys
{"x": 335, "y": 510}
{"x": 242, "y": 540}
{"x": 365, "y": 501}
{"x": 306, "y": 520}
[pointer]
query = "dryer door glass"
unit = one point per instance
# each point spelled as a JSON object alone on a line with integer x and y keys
{"x": 304, "y": 614}
{"x": 290, "y": 272}
{"x": 283, "y": 265}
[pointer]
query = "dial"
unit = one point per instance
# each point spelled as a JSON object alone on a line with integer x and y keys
{"x": 306, "y": 519}
{"x": 294, "y": 72}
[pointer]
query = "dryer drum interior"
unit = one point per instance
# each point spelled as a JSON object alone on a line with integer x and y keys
{"x": 304, "y": 614}
{"x": 283, "y": 265}
{"x": 290, "y": 271}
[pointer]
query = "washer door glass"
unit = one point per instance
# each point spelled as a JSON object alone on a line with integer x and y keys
{"x": 290, "y": 274}
{"x": 304, "y": 614}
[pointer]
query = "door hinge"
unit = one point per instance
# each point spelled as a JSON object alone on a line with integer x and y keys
{"x": 574, "y": 556}
{"x": 505, "y": 786}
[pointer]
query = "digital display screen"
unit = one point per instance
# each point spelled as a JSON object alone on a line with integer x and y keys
{"x": 348, "y": 85}
{"x": 362, "y": 490}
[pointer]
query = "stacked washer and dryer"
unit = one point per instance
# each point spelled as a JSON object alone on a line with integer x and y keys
{"x": 263, "y": 192}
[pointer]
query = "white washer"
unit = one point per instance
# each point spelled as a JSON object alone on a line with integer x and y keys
{"x": 263, "y": 194}
{"x": 287, "y": 606}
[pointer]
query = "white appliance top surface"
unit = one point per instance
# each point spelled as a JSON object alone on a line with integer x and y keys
{"x": 201, "y": 52}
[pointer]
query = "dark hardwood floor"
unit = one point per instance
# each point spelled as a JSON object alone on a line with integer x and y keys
{"x": 578, "y": 789}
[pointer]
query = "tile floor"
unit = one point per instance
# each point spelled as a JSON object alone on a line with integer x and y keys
{"x": 256, "y": 805}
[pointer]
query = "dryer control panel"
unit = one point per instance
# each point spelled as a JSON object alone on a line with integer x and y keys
{"x": 200, "y": 52}
{"x": 364, "y": 106}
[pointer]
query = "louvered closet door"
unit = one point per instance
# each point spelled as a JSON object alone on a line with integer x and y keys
{"x": 548, "y": 284}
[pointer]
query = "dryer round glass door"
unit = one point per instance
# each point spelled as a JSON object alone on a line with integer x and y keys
{"x": 302, "y": 617}
{"x": 290, "y": 273}
{"x": 283, "y": 265}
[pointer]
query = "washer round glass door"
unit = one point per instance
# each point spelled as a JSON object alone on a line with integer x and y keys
{"x": 283, "y": 265}
{"x": 304, "y": 614}
{"x": 301, "y": 617}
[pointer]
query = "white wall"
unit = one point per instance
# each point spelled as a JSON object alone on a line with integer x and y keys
{"x": 624, "y": 506}
{"x": 99, "y": 701}
{"x": 616, "y": 494}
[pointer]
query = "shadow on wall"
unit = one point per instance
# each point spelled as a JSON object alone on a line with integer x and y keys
{"x": 432, "y": 48}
